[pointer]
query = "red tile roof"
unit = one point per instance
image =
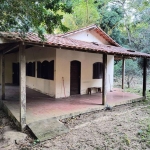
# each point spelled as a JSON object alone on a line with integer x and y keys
{"x": 55, "y": 41}
{"x": 96, "y": 29}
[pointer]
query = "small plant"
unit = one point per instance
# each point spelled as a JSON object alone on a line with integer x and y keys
{"x": 36, "y": 141}
{"x": 126, "y": 140}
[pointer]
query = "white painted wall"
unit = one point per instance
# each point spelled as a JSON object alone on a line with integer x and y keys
{"x": 89, "y": 36}
{"x": 40, "y": 54}
{"x": 32, "y": 54}
{"x": 63, "y": 59}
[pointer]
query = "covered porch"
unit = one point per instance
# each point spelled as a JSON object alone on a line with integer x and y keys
{"x": 41, "y": 107}
{"x": 28, "y": 106}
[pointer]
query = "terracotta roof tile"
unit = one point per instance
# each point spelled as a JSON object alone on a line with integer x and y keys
{"x": 51, "y": 40}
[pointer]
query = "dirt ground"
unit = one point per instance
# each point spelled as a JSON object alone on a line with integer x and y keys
{"x": 125, "y": 127}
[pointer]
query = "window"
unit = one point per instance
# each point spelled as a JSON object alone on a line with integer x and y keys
{"x": 51, "y": 72}
{"x": 98, "y": 70}
{"x": 45, "y": 70}
{"x": 30, "y": 69}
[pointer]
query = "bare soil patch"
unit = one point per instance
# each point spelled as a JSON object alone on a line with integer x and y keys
{"x": 125, "y": 127}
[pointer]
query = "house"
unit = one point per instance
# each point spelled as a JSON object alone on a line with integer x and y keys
{"x": 61, "y": 65}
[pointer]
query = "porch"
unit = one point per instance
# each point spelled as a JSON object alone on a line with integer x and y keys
{"x": 41, "y": 107}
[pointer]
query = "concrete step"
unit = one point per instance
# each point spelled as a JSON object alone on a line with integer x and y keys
{"x": 48, "y": 129}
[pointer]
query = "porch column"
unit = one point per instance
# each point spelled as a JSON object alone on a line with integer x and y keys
{"x": 144, "y": 76}
{"x": 123, "y": 72}
{"x": 22, "y": 62}
{"x": 104, "y": 81}
{"x": 3, "y": 76}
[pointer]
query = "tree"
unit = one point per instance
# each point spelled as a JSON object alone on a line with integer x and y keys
{"x": 132, "y": 70}
{"x": 33, "y": 15}
{"x": 84, "y": 14}
{"x": 110, "y": 21}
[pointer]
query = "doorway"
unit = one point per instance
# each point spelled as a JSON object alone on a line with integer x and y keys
{"x": 15, "y": 75}
{"x": 75, "y": 76}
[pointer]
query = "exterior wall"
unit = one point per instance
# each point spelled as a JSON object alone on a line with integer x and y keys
{"x": 40, "y": 54}
{"x": 63, "y": 59}
{"x": 32, "y": 54}
{"x": 9, "y": 59}
{"x": 89, "y": 36}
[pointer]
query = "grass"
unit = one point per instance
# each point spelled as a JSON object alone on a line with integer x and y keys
{"x": 144, "y": 134}
{"x": 138, "y": 91}
{"x": 134, "y": 90}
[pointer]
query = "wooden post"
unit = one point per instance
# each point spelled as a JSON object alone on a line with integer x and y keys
{"x": 3, "y": 75}
{"x": 123, "y": 72}
{"x": 144, "y": 76}
{"x": 104, "y": 81}
{"x": 22, "y": 62}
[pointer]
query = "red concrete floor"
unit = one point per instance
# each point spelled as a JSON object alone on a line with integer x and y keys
{"x": 40, "y": 106}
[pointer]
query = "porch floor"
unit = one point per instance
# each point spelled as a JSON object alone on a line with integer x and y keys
{"x": 41, "y": 106}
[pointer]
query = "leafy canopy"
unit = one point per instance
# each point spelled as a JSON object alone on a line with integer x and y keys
{"x": 84, "y": 14}
{"x": 33, "y": 15}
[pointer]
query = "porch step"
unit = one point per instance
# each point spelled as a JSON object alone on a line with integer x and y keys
{"x": 47, "y": 129}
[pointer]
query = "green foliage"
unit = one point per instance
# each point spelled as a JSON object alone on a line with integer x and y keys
{"x": 131, "y": 68}
{"x": 25, "y": 15}
{"x": 118, "y": 37}
{"x": 84, "y": 13}
{"x": 111, "y": 18}
{"x": 118, "y": 68}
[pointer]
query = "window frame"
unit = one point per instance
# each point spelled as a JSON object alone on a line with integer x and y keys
{"x": 98, "y": 70}
{"x": 30, "y": 69}
{"x": 45, "y": 70}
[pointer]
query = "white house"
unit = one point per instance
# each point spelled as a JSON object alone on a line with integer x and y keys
{"x": 61, "y": 65}
{"x": 60, "y": 72}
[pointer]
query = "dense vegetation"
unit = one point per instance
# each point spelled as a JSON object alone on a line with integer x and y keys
{"x": 33, "y": 15}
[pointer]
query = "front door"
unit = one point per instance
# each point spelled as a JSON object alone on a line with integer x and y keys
{"x": 15, "y": 76}
{"x": 75, "y": 73}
